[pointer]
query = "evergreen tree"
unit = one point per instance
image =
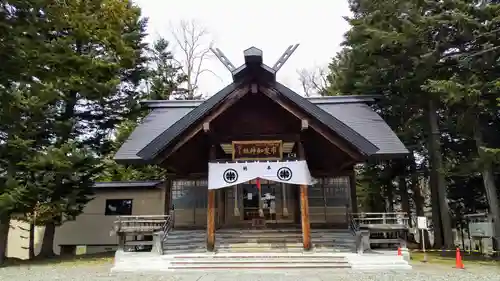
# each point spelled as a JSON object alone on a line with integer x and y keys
{"x": 412, "y": 53}
{"x": 164, "y": 80}
{"x": 165, "y": 76}
{"x": 94, "y": 61}
{"x": 24, "y": 103}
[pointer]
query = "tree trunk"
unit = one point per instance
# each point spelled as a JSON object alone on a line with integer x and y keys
{"x": 405, "y": 199}
{"x": 437, "y": 226}
{"x": 390, "y": 197}
{"x": 47, "y": 249}
{"x": 437, "y": 174}
{"x": 415, "y": 187}
{"x": 418, "y": 198}
{"x": 489, "y": 185}
{"x": 4, "y": 235}
{"x": 31, "y": 245}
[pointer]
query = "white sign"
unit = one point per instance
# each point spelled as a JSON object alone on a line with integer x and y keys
{"x": 422, "y": 222}
{"x": 222, "y": 175}
{"x": 249, "y": 196}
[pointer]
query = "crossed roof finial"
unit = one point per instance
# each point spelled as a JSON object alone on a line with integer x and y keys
{"x": 254, "y": 55}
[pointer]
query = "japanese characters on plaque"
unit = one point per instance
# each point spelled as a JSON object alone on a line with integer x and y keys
{"x": 257, "y": 150}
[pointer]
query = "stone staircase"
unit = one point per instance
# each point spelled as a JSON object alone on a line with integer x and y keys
{"x": 224, "y": 261}
{"x": 259, "y": 241}
{"x": 257, "y": 250}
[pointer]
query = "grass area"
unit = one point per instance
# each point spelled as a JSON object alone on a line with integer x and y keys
{"x": 90, "y": 259}
{"x": 448, "y": 258}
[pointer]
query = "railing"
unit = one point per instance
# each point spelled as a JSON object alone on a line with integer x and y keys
{"x": 155, "y": 226}
{"x": 379, "y": 219}
{"x": 353, "y": 224}
{"x": 140, "y": 224}
{"x": 379, "y": 228}
{"x": 169, "y": 224}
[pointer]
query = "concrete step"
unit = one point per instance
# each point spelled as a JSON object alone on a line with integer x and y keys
{"x": 257, "y": 240}
{"x": 259, "y": 255}
{"x": 324, "y": 233}
{"x": 260, "y": 250}
{"x": 269, "y": 265}
{"x": 258, "y": 260}
{"x": 258, "y": 245}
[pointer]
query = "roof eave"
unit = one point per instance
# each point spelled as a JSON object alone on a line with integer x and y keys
{"x": 362, "y": 145}
{"x": 150, "y": 153}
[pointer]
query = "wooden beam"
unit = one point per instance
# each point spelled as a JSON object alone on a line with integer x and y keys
{"x": 233, "y": 97}
{"x": 352, "y": 193}
{"x": 332, "y": 173}
{"x": 254, "y": 88}
{"x": 211, "y": 211}
{"x": 329, "y": 136}
{"x": 284, "y": 137}
{"x": 347, "y": 164}
{"x": 167, "y": 209}
{"x": 304, "y": 207}
{"x": 305, "y": 124}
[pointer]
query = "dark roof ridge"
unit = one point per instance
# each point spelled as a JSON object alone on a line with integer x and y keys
{"x": 314, "y": 100}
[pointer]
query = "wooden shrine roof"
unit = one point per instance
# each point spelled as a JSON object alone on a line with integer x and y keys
{"x": 349, "y": 117}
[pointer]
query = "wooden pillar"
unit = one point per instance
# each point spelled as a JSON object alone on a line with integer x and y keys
{"x": 168, "y": 197}
{"x": 211, "y": 221}
{"x": 352, "y": 190}
{"x": 211, "y": 212}
{"x": 304, "y": 206}
{"x": 221, "y": 207}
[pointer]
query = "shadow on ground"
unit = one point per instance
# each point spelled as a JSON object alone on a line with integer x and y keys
{"x": 100, "y": 258}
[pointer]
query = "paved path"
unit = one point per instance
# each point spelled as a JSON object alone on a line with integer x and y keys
{"x": 101, "y": 273}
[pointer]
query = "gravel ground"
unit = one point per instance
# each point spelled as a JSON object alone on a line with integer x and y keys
{"x": 101, "y": 273}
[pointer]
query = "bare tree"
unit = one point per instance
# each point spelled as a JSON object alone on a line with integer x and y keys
{"x": 194, "y": 43}
{"x": 314, "y": 81}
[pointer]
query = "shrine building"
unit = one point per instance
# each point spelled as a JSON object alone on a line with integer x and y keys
{"x": 257, "y": 154}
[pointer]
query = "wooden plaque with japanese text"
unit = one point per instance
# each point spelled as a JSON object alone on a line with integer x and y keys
{"x": 258, "y": 150}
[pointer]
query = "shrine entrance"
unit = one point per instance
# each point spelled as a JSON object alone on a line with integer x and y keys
{"x": 261, "y": 203}
{"x": 250, "y": 202}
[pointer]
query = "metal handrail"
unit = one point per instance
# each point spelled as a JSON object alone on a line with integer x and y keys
{"x": 167, "y": 226}
{"x": 381, "y": 218}
{"x": 353, "y": 224}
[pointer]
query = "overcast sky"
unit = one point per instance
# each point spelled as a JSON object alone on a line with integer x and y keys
{"x": 272, "y": 25}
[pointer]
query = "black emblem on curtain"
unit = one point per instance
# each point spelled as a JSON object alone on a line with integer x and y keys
{"x": 284, "y": 174}
{"x": 230, "y": 176}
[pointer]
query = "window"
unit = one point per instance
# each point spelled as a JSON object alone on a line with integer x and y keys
{"x": 118, "y": 207}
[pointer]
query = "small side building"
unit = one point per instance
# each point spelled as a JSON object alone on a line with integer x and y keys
{"x": 91, "y": 232}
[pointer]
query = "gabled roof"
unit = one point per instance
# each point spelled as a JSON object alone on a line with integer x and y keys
{"x": 151, "y": 150}
{"x": 349, "y": 134}
{"x": 353, "y": 111}
{"x": 368, "y": 133}
{"x": 360, "y": 117}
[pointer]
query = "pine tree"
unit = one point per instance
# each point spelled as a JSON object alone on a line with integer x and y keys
{"x": 24, "y": 103}
{"x": 94, "y": 61}
{"x": 165, "y": 79}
